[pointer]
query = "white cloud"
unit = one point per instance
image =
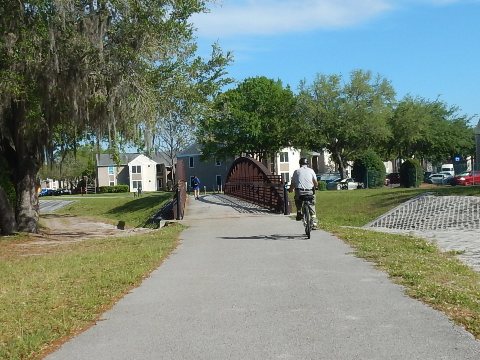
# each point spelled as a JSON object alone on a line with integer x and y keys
{"x": 266, "y": 17}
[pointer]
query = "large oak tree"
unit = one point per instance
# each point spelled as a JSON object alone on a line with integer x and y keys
{"x": 77, "y": 68}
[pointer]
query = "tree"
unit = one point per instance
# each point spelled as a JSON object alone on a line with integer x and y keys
{"x": 75, "y": 68}
{"x": 411, "y": 173}
{"x": 369, "y": 169}
{"x": 70, "y": 166}
{"x": 345, "y": 118}
{"x": 255, "y": 118}
{"x": 185, "y": 92}
{"x": 429, "y": 130}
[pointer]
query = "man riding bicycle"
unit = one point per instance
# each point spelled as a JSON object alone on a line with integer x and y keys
{"x": 304, "y": 182}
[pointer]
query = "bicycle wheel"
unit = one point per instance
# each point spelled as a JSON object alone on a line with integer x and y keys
{"x": 307, "y": 220}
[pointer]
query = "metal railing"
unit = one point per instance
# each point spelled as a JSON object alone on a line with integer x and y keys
{"x": 250, "y": 180}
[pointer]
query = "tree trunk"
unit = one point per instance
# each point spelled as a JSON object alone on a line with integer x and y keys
{"x": 24, "y": 159}
{"x": 341, "y": 166}
{"x": 27, "y": 209}
{"x": 8, "y": 224}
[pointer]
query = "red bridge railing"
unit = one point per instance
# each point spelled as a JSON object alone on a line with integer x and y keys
{"x": 250, "y": 180}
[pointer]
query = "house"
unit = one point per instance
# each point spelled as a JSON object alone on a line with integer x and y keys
{"x": 286, "y": 162}
{"x": 212, "y": 173}
{"x": 135, "y": 170}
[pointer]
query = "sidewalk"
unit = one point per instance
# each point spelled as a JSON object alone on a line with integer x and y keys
{"x": 246, "y": 284}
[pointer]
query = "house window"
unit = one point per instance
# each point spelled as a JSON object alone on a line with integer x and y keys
{"x": 136, "y": 169}
{"x": 284, "y": 157}
{"x": 136, "y": 184}
{"x": 219, "y": 180}
{"x": 190, "y": 162}
{"x": 285, "y": 177}
{"x": 111, "y": 170}
{"x": 217, "y": 162}
{"x": 112, "y": 183}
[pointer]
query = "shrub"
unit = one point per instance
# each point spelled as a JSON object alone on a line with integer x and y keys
{"x": 369, "y": 169}
{"x": 411, "y": 173}
{"x": 113, "y": 189}
{"x": 322, "y": 185}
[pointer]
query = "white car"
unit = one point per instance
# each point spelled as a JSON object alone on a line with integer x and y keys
{"x": 441, "y": 178}
{"x": 345, "y": 184}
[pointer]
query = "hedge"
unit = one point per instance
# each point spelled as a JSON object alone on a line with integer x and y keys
{"x": 113, "y": 189}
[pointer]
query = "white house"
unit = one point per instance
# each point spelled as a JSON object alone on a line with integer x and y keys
{"x": 142, "y": 174}
{"x": 286, "y": 162}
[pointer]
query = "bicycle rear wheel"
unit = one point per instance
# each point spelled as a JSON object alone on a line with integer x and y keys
{"x": 307, "y": 221}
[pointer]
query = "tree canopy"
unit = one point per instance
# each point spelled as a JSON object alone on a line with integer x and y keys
{"x": 348, "y": 117}
{"x": 256, "y": 118}
{"x": 93, "y": 68}
{"x": 429, "y": 130}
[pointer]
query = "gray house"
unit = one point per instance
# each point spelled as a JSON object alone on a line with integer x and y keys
{"x": 212, "y": 172}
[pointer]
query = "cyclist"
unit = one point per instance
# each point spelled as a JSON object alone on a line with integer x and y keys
{"x": 304, "y": 182}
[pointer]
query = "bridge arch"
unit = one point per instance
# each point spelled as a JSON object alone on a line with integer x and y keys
{"x": 250, "y": 180}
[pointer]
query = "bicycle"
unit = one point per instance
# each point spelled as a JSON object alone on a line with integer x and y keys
{"x": 307, "y": 216}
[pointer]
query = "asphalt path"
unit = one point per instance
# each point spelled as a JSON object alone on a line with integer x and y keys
{"x": 246, "y": 284}
{"x": 48, "y": 206}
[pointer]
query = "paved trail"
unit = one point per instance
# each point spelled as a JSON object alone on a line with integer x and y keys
{"x": 245, "y": 284}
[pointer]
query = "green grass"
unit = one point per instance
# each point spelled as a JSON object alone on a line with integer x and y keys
{"x": 134, "y": 212}
{"x": 437, "y": 278}
{"x": 51, "y": 292}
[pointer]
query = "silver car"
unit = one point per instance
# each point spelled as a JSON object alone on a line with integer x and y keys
{"x": 345, "y": 184}
{"x": 441, "y": 178}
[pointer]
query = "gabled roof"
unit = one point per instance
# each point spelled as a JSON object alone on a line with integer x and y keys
{"x": 107, "y": 160}
{"x": 125, "y": 159}
{"x": 194, "y": 149}
{"x": 161, "y": 158}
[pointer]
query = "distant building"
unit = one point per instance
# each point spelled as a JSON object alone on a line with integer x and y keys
{"x": 135, "y": 170}
{"x": 212, "y": 173}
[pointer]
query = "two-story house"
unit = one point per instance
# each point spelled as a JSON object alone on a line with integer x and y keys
{"x": 135, "y": 170}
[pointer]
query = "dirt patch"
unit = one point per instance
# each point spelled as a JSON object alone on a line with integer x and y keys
{"x": 66, "y": 228}
{"x": 57, "y": 230}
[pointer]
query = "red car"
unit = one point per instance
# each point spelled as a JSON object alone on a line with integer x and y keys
{"x": 467, "y": 178}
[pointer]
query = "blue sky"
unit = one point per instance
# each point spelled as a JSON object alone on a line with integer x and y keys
{"x": 426, "y": 48}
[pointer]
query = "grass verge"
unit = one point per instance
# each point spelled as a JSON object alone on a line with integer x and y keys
{"x": 134, "y": 212}
{"x": 48, "y": 296}
{"x": 436, "y": 278}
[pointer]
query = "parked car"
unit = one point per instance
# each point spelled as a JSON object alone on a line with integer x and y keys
{"x": 328, "y": 177}
{"x": 392, "y": 178}
{"x": 65, "y": 191}
{"x": 345, "y": 184}
{"x": 426, "y": 177}
{"x": 441, "y": 178}
{"x": 467, "y": 178}
{"x": 46, "y": 192}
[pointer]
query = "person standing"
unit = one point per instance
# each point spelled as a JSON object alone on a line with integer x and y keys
{"x": 304, "y": 181}
{"x": 196, "y": 186}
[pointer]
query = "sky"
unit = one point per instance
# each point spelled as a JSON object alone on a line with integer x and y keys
{"x": 425, "y": 48}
